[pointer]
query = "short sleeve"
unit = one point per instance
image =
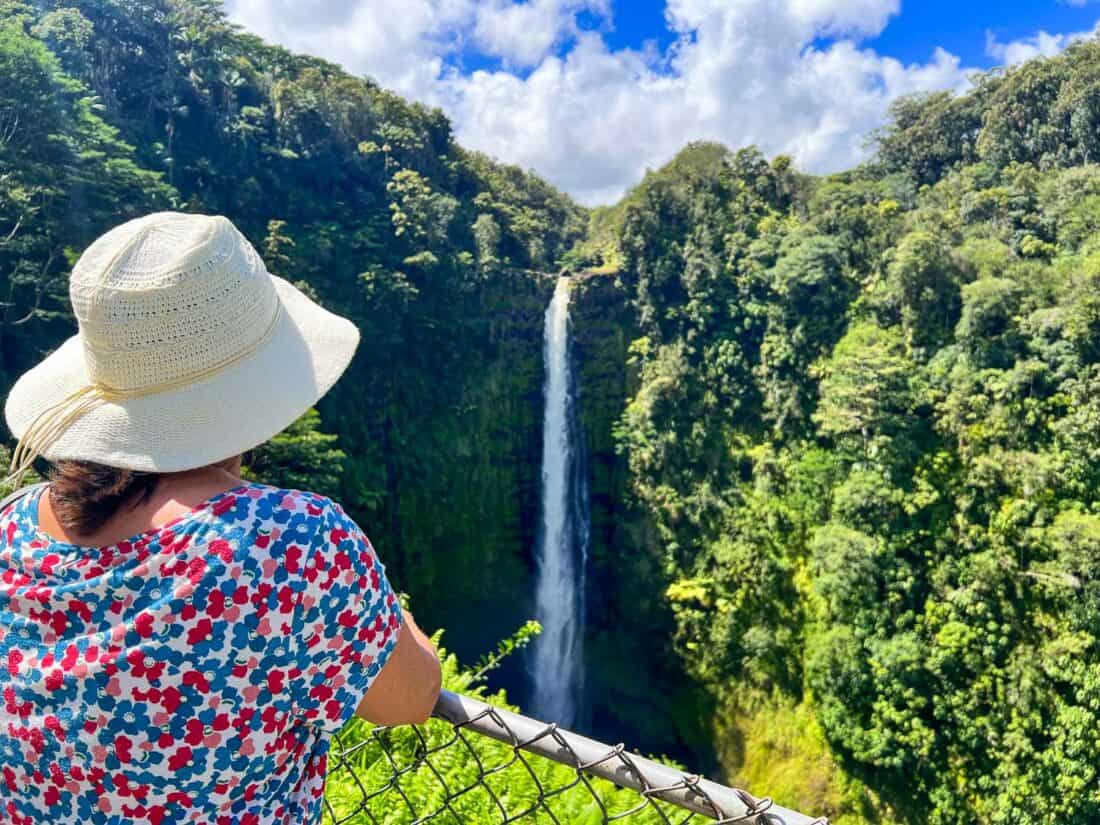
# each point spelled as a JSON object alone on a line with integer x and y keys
{"x": 347, "y": 623}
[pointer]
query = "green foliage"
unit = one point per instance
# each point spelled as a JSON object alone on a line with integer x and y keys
{"x": 400, "y": 775}
{"x": 301, "y": 457}
{"x": 865, "y": 433}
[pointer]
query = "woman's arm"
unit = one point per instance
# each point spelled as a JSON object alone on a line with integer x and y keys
{"x": 406, "y": 689}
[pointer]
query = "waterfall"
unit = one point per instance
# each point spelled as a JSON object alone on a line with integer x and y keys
{"x": 557, "y": 669}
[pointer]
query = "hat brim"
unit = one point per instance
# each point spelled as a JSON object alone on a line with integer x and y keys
{"x": 236, "y": 409}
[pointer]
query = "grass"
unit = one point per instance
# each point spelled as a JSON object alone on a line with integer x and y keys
{"x": 779, "y": 750}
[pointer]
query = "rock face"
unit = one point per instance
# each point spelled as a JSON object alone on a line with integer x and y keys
{"x": 602, "y": 329}
{"x": 635, "y": 690}
{"x": 465, "y": 505}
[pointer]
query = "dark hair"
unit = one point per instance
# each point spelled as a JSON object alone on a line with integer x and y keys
{"x": 85, "y": 495}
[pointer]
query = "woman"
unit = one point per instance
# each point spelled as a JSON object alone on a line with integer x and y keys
{"x": 176, "y": 644}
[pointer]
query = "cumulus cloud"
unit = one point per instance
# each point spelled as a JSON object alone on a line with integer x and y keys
{"x": 401, "y": 43}
{"x": 739, "y": 71}
{"x": 525, "y": 33}
{"x": 590, "y": 118}
{"x": 1041, "y": 44}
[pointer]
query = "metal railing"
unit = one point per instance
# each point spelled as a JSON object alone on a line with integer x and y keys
{"x": 476, "y": 763}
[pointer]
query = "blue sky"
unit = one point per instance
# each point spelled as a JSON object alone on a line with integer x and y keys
{"x": 591, "y": 93}
{"x": 961, "y": 26}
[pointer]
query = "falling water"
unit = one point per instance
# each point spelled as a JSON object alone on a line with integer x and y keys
{"x": 557, "y": 668}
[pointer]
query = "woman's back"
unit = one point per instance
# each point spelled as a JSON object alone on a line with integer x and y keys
{"x": 191, "y": 673}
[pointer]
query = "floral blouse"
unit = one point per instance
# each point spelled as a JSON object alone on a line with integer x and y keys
{"x": 193, "y": 673}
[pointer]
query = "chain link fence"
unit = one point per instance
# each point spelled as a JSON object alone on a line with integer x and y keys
{"x": 477, "y": 764}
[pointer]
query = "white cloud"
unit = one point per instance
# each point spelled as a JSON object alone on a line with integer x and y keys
{"x": 525, "y": 33}
{"x": 739, "y": 71}
{"x": 1017, "y": 51}
{"x": 1041, "y": 44}
{"x": 400, "y": 43}
{"x": 591, "y": 119}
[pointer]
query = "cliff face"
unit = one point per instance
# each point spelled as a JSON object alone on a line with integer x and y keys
{"x": 635, "y": 690}
{"x": 602, "y": 328}
{"x": 463, "y": 500}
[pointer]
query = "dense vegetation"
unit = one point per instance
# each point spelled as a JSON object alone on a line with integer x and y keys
{"x": 857, "y": 417}
{"x": 866, "y": 429}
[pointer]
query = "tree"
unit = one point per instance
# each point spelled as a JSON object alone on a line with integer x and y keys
{"x": 865, "y": 391}
{"x": 301, "y": 457}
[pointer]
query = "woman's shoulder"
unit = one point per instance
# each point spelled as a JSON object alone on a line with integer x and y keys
{"x": 273, "y": 502}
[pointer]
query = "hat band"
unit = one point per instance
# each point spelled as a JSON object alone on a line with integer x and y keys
{"x": 50, "y": 424}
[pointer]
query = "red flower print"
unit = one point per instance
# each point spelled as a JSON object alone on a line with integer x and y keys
{"x": 53, "y": 725}
{"x": 223, "y": 506}
{"x": 197, "y": 680}
{"x": 194, "y": 732}
{"x": 70, "y": 657}
{"x": 180, "y": 759}
{"x": 275, "y": 682}
{"x": 287, "y": 598}
{"x": 293, "y": 557}
{"x": 81, "y": 609}
{"x": 171, "y": 699}
{"x": 196, "y": 568}
{"x": 122, "y": 748}
{"x": 55, "y": 679}
{"x": 201, "y": 632}
{"x": 142, "y": 667}
{"x": 270, "y": 718}
{"x": 144, "y": 624}
{"x": 216, "y": 605}
{"x": 222, "y": 549}
{"x": 179, "y": 798}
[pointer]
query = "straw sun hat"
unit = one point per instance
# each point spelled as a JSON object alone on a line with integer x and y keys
{"x": 188, "y": 352}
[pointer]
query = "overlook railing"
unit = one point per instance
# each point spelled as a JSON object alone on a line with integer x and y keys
{"x": 476, "y": 764}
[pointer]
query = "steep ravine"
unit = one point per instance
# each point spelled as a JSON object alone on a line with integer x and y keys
{"x": 462, "y": 538}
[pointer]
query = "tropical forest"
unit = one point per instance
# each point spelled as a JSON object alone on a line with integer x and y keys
{"x": 841, "y": 434}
